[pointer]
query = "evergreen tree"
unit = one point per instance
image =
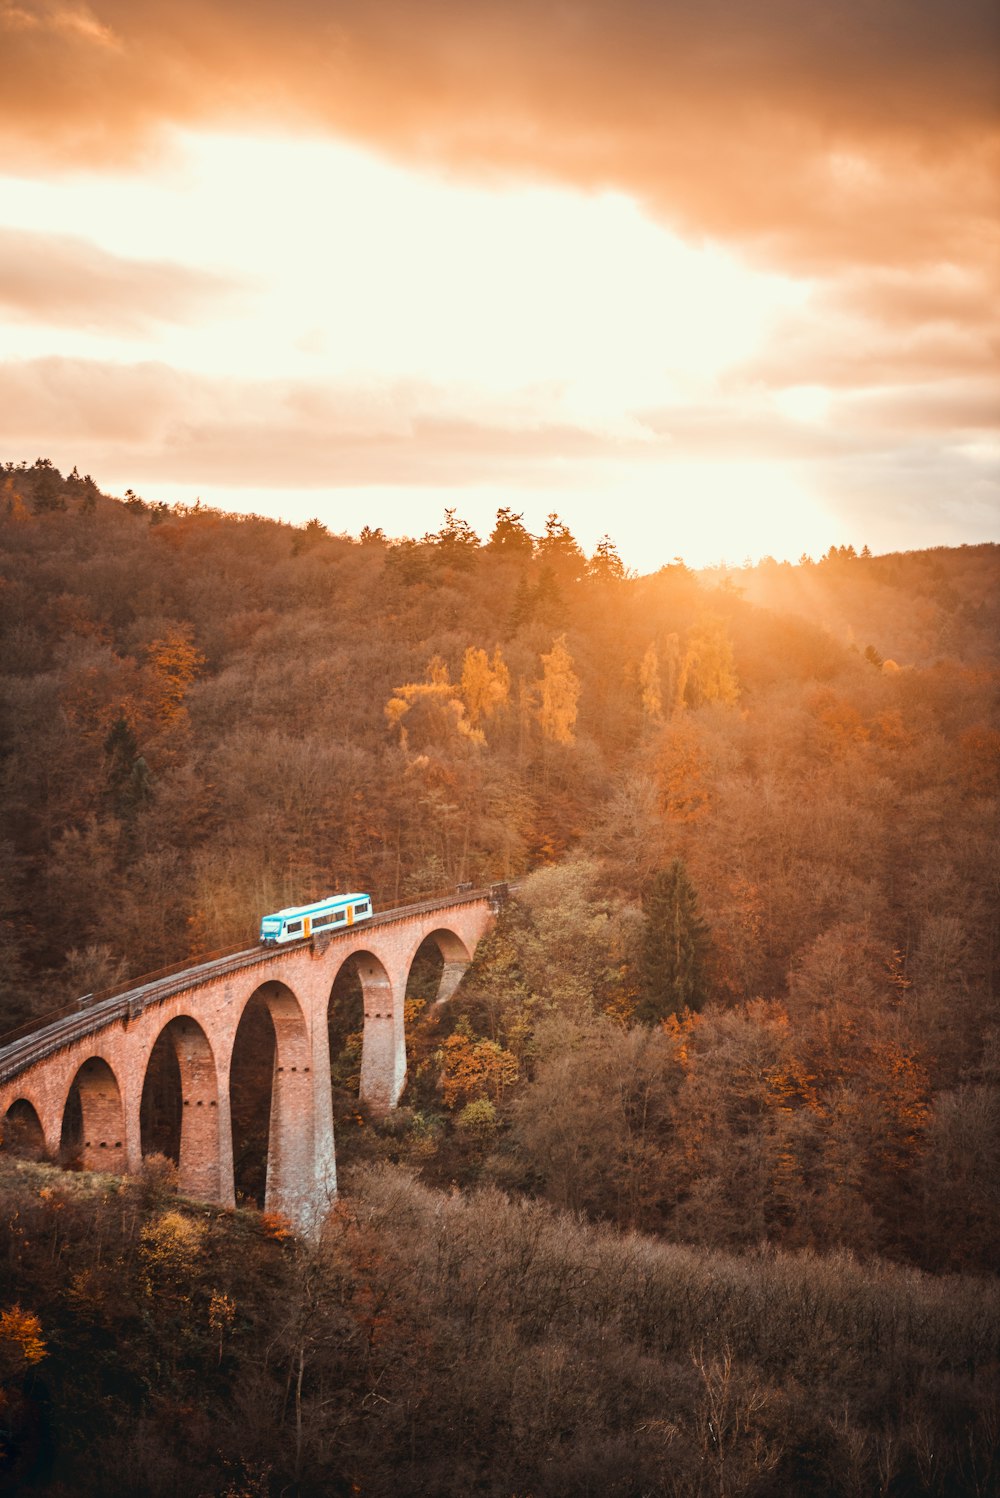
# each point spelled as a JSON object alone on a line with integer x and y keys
{"x": 129, "y": 784}
{"x": 522, "y": 609}
{"x": 674, "y": 957}
{"x": 606, "y": 565}
{"x": 510, "y": 537}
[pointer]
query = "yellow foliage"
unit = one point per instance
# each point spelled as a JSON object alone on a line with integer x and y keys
{"x": 560, "y": 692}
{"x": 14, "y": 504}
{"x": 649, "y": 680}
{"x": 22, "y": 1331}
{"x": 683, "y": 774}
{"x": 221, "y": 1311}
{"x": 437, "y": 709}
{"x": 485, "y": 684}
{"x": 473, "y": 1069}
{"x": 709, "y": 671}
{"x": 171, "y": 1245}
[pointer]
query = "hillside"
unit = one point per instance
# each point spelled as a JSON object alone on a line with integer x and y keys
{"x": 456, "y": 1344}
{"x": 735, "y": 1044}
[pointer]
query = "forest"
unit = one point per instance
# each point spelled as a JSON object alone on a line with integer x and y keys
{"x": 695, "y": 1184}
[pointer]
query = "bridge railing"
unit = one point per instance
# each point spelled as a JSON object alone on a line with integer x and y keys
{"x": 93, "y": 1011}
{"x": 89, "y": 1001}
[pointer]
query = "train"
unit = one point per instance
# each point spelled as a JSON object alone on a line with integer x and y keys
{"x": 335, "y": 913}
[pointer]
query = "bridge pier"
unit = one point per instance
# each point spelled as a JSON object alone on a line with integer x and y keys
{"x": 199, "y": 1168}
{"x": 383, "y": 1048}
{"x": 102, "y": 1140}
{"x": 451, "y": 976}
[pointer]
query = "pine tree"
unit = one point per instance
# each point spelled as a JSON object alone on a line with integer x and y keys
{"x": 606, "y": 565}
{"x": 674, "y": 956}
{"x": 510, "y": 537}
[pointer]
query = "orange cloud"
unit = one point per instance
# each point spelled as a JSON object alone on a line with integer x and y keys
{"x": 65, "y": 281}
{"x": 184, "y": 427}
{"x": 822, "y": 134}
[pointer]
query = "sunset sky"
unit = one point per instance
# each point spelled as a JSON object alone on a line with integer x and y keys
{"x": 719, "y": 279}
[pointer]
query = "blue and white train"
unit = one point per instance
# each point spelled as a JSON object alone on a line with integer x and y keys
{"x": 334, "y": 913}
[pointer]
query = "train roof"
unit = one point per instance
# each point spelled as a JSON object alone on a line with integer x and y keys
{"x": 324, "y": 904}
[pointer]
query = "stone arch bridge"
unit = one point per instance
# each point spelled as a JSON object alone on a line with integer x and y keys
{"x": 98, "y": 1056}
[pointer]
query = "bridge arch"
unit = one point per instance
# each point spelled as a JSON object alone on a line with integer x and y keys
{"x": 85, "y": 1069}
{"x": 345, "y": 1025}
{"x": 93, "y": 1118}
{"x": 381, "y": 1068}
{"x": 444, "y": 957}
{"x": 179, "y": 1111}
{"x": 271, "y": 1055}
{"x": 21, "y": 1132}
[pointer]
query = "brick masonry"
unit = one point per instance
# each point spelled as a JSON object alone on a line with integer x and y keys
{"x": 108, "y": 1067}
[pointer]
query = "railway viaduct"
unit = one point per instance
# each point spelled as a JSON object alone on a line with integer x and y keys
{"x": 100, "y": 1053}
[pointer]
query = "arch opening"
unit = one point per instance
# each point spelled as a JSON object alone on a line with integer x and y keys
{"x": 437, "y": 968}
{"x": 161, "y": 1105}
{"x": 22, "y": 1135}
{"x": 424, "y": 977}
{"x": 377, "y": 1077}
{"x": 93, "y": 1123}
{"x": 179, "y": 1111}
{"x": 251, "y": 1084}
{"x": 345, "y": 1028}
{"x": 270, "y": 1094}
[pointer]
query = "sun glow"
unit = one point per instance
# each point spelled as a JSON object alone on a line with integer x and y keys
{"x": 703, "y": 512}
{"x": 356, "y": 299}
{"x": 342, "y": 263}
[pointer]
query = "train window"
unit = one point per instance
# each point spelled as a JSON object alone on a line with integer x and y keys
{"x": 339, "y": 915}
{"x": 293, "y": 926}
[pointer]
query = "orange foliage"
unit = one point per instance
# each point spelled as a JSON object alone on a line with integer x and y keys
{"x": 683, "y": 774}
{"x": 21, "y": 1331}
{"x": 175, "y": 662}
{"x": 475, "y": 1069}
{"x": 276, "y": 1227}
{"x": 841, "y": 719}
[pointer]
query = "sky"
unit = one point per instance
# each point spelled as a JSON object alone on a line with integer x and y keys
{"x": 719, "y": 280}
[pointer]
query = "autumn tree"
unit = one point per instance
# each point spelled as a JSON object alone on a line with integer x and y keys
{"x": 559, "y": 689}
{"x": 174, "y": 662}
{"x": 710, "y": 673}
{"x": 593, "y": 1128}
{"x": 649, "y": 682}
{"x": 432, "y": 710}
{"x": 485, "y": 684}
{"x": 474, "y": 1069}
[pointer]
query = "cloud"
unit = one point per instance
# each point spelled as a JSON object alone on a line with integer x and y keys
{"x": 818, "y": 134}
{"x": 906, "y": 331}
{"x": 189, "y": 428}
{"x": 173, "y": 425}
{"x": 61, "y": 280}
